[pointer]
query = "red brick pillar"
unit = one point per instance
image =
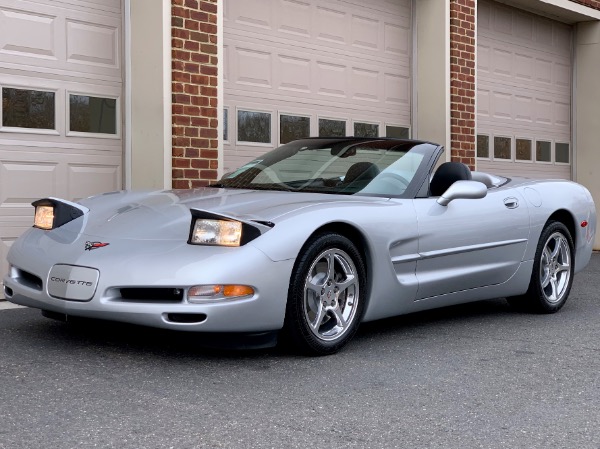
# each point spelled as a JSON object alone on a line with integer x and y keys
{"x": 591, "y": 3}
{"x": 194, "y": 83}
{"x": 462, "y": 81}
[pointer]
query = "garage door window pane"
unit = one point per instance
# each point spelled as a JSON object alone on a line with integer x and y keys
{"x": 32, "y": 109}
{"x": 292, "y": 127}
{"x": 366, "y": 130}
{"x": 543, "y": 151}
{"x": 502, "y": 147}
{"x": 332, "y": 128}
{"x": 92, "y": 114}
{"x": 524, "y": 147}
{"x": 562, "y": 153}
{"x": 254, "y": 127}
{"x": 483, "y": 146}
{"x": 398, "y": 132}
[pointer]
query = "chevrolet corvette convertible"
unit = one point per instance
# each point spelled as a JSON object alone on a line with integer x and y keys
{"x": 306, "y": 242}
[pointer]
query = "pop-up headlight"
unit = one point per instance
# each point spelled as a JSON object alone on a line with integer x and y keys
{"x": 51, "y": 213}
{"x": 44, "y": 217}
{"x": 220, "y": 230}
{"x": 216, "y": 232}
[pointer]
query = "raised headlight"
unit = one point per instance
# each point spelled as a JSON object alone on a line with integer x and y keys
{"x": 44, "y": 217}
{"x": 216, "y": 232}
{"x": 51, "y": 213}
{"x": 208, "y": 228}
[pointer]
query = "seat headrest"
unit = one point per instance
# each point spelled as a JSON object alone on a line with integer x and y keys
{"x": 446, "y": 175}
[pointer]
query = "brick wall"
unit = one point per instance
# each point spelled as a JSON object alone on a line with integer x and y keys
{"x": 591, "y": 3}
{"x": 462, "y": 81}
{"x": 194, "y": 84}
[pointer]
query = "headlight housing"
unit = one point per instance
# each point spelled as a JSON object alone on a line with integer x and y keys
{"x": 44, "y": 217}
{"x": 51, "y": 213}
{"x": 218, "y": 230}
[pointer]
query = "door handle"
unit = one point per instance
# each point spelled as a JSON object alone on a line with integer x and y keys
{"x": 511, "y": 202}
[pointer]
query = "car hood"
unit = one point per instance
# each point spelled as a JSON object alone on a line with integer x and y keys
{"x": 166, "y": 214}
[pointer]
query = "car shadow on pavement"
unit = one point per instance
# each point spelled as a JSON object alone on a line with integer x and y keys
{"x": 132, "y": 339}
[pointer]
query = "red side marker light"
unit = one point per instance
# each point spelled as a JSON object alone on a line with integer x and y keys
{"x": 584, "y": 223}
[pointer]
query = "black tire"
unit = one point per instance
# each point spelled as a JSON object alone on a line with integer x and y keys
{"x": 552, "y": 274}
{"x": 324, "y": 311}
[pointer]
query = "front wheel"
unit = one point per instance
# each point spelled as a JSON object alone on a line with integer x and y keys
{"x": 326, "y": 296}
{"x": 552, "y": 274}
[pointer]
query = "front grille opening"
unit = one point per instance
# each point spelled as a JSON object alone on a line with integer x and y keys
{"x": 28, "y": 280}
{"x": 186, "y": 318}
{"x": 168, "y": 294}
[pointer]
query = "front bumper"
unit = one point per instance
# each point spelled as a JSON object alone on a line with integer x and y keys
{"x": 161, "y": 264}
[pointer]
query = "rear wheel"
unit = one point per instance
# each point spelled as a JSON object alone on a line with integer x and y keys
{"x": 552, "y": 274}
{"x": 326, "y": 296}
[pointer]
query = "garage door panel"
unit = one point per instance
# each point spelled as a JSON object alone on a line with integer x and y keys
{"x": 347, "y": 26}
{"x": 251, "y": 13}
{"x": 17, "y": 185}
{"x": 397, "y": 39}
{"x": 53, "y": 36}
{"x": 366, "y": 85}
{"x": 27, "y": 33}
{"x": 397, "y": 92}
{"x": 293, "y": 73}
{"x": 254, "y": 68}
{"x": 295, "y": 18}
{"x": 296, "y": 73}
{"x": 331, "y": 26}
{"x": 519, "y": 104}
{"x": 516, "y": 66}
{"x": 29, "y": 175}
{"x": 94, "y": 44}
{"x": 365, "y": 32}
{"x": 92, "y": 179}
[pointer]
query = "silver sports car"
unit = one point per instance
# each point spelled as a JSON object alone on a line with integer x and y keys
{"x": 306, "y": 242}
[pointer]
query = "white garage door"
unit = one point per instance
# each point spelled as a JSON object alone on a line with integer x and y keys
{"x": 61, "y": 87}
{"x": 523, "y": 93}
{"x": 299, "y": 68}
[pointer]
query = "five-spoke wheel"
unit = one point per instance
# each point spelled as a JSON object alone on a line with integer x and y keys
{"x": 331, "y": 294}
{"x": 555, "y": 267}
{"x": 552, "y": 274}
{"x": 326, "y": 296}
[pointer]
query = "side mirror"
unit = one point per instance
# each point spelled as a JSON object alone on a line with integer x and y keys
{"x": 463, "y": 190}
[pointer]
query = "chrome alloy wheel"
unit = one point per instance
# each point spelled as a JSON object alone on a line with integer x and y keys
{"x": 555, "y": 268}
{"x": 331, "y": 294}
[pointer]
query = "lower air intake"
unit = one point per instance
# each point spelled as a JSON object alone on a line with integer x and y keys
{"x": 169, "y": 295}
{"x": 186, "y": 318}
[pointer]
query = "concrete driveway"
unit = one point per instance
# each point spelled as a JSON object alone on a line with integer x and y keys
{"x": 473, "y": 376}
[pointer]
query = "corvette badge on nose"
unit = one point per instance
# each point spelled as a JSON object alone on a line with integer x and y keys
{"x": 94, "y": 245}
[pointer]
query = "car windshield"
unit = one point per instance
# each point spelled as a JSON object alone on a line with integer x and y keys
{"x": 338, "y": 166}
